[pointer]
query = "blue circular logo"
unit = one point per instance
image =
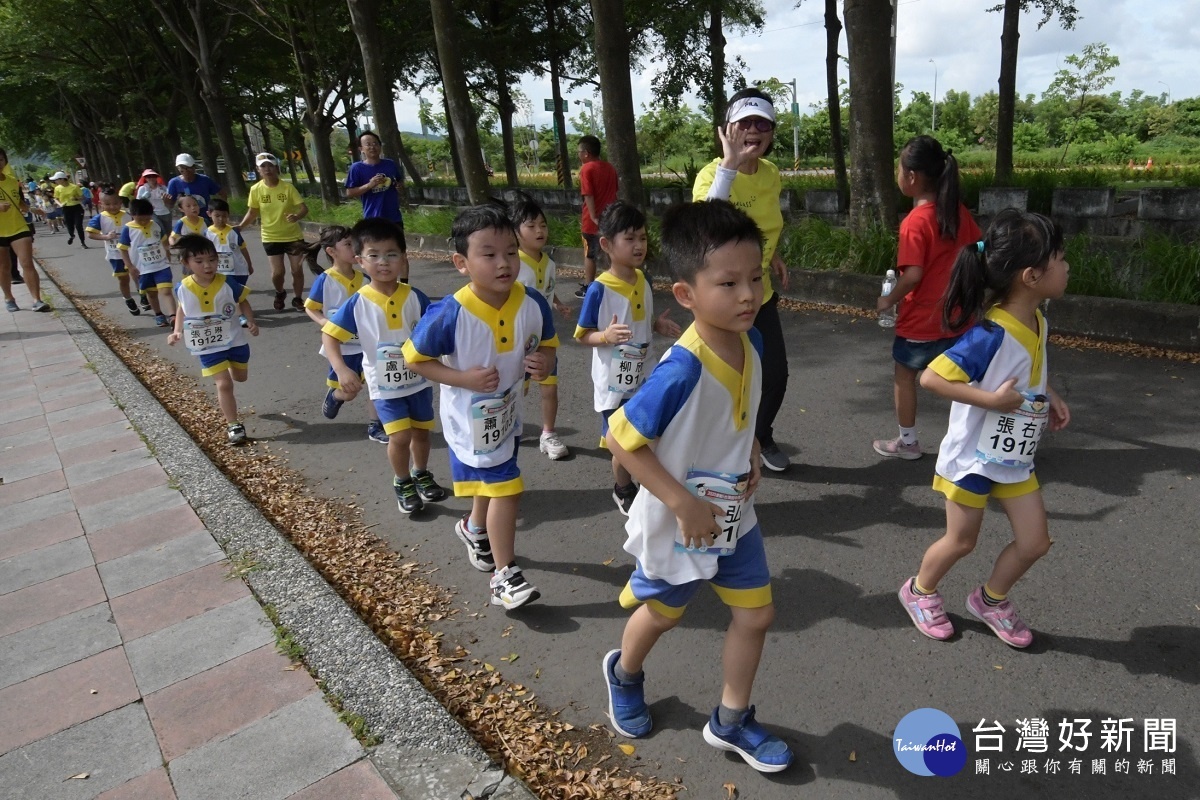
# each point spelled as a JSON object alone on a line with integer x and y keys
{"x": 927, "y": 742}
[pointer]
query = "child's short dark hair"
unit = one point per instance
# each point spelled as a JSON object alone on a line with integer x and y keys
{"x": 524, "y": 209}
{"x": 690, "y": 231}
{"x": 591, "y": 145}
{"x": 216, "y": 204}
{"x": 473, "y": 219}
{"x": 373, "y": 230}
{"x": 139, "y": 207}
{"x": 620, "y": 217}
{"x": 193, "y": 244}
{"x": 108, "y": 190}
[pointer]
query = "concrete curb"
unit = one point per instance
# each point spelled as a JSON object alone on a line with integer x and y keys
{"x": 425, "y": 747}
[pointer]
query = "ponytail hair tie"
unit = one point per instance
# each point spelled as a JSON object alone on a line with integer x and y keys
{"x": 949, "y": 152}
{"x": 980, "y": 246}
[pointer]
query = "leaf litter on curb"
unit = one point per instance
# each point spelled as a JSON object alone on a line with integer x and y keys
{"x": 556, "y": 759}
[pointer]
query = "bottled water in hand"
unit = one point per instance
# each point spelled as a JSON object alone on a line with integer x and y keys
{"x": 887, "y": 319}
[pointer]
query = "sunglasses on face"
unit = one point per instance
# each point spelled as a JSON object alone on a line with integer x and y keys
{"x": 758, "y": 123}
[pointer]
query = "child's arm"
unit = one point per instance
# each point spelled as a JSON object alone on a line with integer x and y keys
{"x": 665, "y": 326}
{"x": 347, "y": 378}
{"x": 697, "y": 519}
{"x": 246, "y": 255}
{"x": 315, "y": 316}
{"x": 248, "y": 313}
{"x": 1060, "y": 414}
{"x": 478, "y": 379}
{"x": 177, "y": 332}
{"x": 540, "y": 363}
{"x": 616, "y": 333}
{"x": 1004, "y": 399}
{"x": 560, "y": 306}
{"x": 908, "y": 280}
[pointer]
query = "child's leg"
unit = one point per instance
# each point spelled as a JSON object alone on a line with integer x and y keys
{"x": 152, "y": 296}
{"x": 225, "y": 398}
{"x": 501, "y": 515}
{"x": 123, "y": 282}
{"x": 962, "y": 531}
{"x": 549, "y": 405}
{"x": 905, "y": 390}
{"x": 1031, "y": 541}
{"x": 240, "y": 374}
{"x": 166, "y": 301}
{"x": 479, "y": 511}
{"x": 398, "y": 452}
{"x": 621, "y": 476}
{"x": 742, "y": 652}
{"x": 420, "y": 449}
{"x": 642, "y": 630}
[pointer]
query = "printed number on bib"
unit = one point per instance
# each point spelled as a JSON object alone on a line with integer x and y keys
{"x": 727, "y": 492}
{"x": 225, "y": 263}
{"x": 627, "y": 368}
{"x": 206, "y": 334}
{"x": 151, "y": 254}
{"x": 1010, "y": 439}
{"x": 392, "y": 375}
{"x": 492, "y": 420}
{"x": 111, "y": 251}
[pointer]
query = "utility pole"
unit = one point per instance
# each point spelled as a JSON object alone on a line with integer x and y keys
{"x": 931, "y": 61}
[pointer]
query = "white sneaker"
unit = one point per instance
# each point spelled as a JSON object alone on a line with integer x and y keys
{"x": 511, "y": 590}
{"x": 552, "y": 446}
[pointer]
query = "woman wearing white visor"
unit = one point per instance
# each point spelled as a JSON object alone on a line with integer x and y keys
{"x": 748, "y": 180}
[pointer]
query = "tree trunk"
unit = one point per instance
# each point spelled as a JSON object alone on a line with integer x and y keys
{"x": 716, "y": 56}
{"x": 560, "y": 122}
{"x": 454, "y": 86}
{"x": 506, "y": 129}
{"x": 455, "y": 161}
{"x": 302, "y": 149}
{"x": 204, "y": 132}
{"x": 833, "y": 32}
{"x": 872, "y": 186}
{"x": 612, "y": 65}
{"x": 1008, "y": 91}
{"x": 322, "y": 132}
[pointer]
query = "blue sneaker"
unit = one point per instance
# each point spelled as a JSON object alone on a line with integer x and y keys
{"x": 331, "y": 406}
{"x": 759, "y": 748}
{"x": 626, "y": 701}
{"x": 376, "y": 433}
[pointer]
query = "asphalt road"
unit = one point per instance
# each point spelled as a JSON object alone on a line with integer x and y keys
{"x": 1114, "y": 606}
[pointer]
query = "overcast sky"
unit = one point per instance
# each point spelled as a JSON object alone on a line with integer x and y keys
{"x": 1156, "y": 40}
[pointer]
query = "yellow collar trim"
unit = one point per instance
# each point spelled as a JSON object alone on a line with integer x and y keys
{"x": 145, "y": 229}
{"x": 635, "y": 292}
{"x": 501, "y": 320}
{"x": 538, "y": 267}
{"x": 1029, "y": 339}
{"x": 114, "y": 217}
{"x": 736, "y": 383}
{"x": 198, "y": 226}
{"x": 392, "y": 307}
{"x": 205, "y": 294}
{"x": 351, "y": 284}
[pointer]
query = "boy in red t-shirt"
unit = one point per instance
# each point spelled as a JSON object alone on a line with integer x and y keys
{"x": 598, "y": 185}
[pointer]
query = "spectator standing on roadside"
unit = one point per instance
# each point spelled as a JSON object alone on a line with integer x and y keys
{"x": 191, "y": 182}
{"x": 152, "y": 189}
{"x": 376, "y": 181}
{"x": 281, "y": 209}
{"x": 598, "y": 185}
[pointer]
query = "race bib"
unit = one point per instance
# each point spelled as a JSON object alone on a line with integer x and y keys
{"x": 225, "y": 262}
{"x": 151, "y": 254}
{"x": 729, "y": 493}
{"x": 206, "y": 334}
{"x": 492, "y": 420}
{"x": 1010, "y": 439}
{"x": 627, "y": 368}
{"x": 392, "y": 375}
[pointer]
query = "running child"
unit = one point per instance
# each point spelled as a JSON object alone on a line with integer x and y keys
{"x": 996, "y": 376}
{"x": 538, "y": 273}
{"x": 687, "y": 436}
{"x": 478, "y": 344}
{"x": 931, "y": 236}
{"x": 232, "y": 255}
{"x": 378, "y": 318}
{"x": 191, "y": 222}
{"x": 143, "y": 246}
{"x": 208, "y": 305}
{"x": 106, "y": 227}
{"x": 329, "y": 291}
{"x": 623, "y": 298}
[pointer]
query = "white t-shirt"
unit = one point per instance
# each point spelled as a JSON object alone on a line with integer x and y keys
{"x": 145, "y": 246}
{"x": 155, "y": 195}
{"x": 540, "y": 275}
{"x": 618, "y": 370}
{"x": 382, "y": 324}
{"x": 329, "y": 291}
{"x": 229, "y": 243}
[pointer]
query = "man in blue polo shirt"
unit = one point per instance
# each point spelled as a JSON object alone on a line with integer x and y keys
{"x": 375, "y": 181}
{"x": 191, "y": 182}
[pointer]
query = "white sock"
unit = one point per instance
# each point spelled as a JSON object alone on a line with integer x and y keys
{"x": 908, "y": 435}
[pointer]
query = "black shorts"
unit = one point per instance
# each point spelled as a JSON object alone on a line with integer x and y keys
{"x": 591, "y": 243}
{"x": 5, "y": 241}
{"x": 296, "y": 248}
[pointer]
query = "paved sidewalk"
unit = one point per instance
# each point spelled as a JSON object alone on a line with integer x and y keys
{"x": 131, "y": 664}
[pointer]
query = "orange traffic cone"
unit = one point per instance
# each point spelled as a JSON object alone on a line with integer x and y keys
{"x": 1150, "y": 163}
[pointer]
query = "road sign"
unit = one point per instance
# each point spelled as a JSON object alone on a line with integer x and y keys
{"x": 82, "y": 161}
{"x": 549, "y": 104}
{"x": 795, "y": 109}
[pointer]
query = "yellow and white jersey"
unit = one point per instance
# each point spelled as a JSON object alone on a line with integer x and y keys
{"x": 538, "y": 274}
{"x": 618, "y": 370}
{"x": 219, "y": 299}
{"x": 382, "y": 325}
{"x": 229, "y": 244}
{"x": 145, "y": 246}
{"x": 106, "y": 223}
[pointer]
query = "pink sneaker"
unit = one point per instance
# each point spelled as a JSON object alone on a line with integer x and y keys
{"x": 1002, "y": 619}
{"x": 894, "y": 448}
{"x": 926, "y": 612}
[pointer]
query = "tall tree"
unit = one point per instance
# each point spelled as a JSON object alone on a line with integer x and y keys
{"x": 833, "y": 33}
{"x": 872, "y": 187}
{"x": 1067, "y": 14}
{"x": 612, "y": 63}
{"x": 1085, "y": 75}
{"x": 458, "y": 101}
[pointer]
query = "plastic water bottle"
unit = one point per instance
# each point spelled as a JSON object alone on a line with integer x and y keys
{"x": 887, "y": 319}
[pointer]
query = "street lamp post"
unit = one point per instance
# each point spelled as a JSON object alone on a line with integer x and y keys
{"x": 795, "y": 126}
{"x": 931, "y": 61}
{"x": 591, "y": 114}
{"x": 1164, "y": 83}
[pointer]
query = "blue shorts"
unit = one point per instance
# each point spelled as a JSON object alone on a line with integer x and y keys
{"x": 742, "y": 581}
{"x": 401, "y": 413}
{"x": 118, "y": 267}
{"x": 354, "y": 362}
{"x": 159, "y": 279}
{"x": 919, "y": 355}
{"x": 502, "y": 480}
{"x": 604, "y": 416}
{"x": 221, "y": 360}
{"x": 974, "y": 490}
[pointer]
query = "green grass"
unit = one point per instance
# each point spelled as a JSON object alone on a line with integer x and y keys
{"x": 814, "y": 244}
{"x": 1154, "y": 268}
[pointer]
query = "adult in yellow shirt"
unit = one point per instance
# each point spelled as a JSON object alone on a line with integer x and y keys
{"x": 16, "y": 238}
{"x": 128, "y": 192}
{"x": 745, "y": 177}
{"x": 281, "y": 209}
{"x": 70, "y": 197}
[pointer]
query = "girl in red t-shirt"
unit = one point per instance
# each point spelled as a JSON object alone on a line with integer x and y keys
{"x": 930, "y": 238}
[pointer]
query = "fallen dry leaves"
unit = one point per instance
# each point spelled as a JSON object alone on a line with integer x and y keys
{"x": 556, "y": 759}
